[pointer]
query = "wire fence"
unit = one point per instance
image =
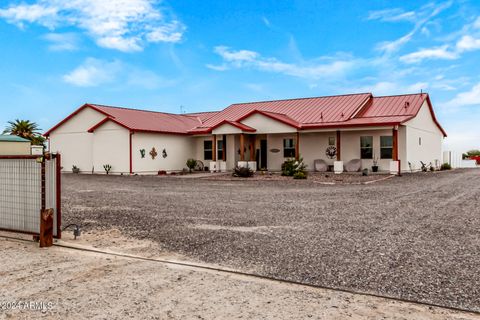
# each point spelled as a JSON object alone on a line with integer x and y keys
{"x": 27, "y": 186}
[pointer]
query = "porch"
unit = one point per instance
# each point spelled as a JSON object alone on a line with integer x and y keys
{"x": 222, "y": 151}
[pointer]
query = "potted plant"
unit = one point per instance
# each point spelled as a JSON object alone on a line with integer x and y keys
{"x": 375, "y": 164}
{"x": 75, "y": 169}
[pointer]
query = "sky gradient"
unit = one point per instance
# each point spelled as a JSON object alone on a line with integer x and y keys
{"x": 188, "y": 56}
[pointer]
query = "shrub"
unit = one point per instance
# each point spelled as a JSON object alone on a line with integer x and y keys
{"x": 191, "y": 164}
{"x": 292, "y": 166}
{"x": 299, "y": 175}
{"x": 445, "y": 166}
{"x": 243, "y": 172}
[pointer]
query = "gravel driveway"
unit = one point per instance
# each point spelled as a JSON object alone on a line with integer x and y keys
{"x": 414, "y": 237}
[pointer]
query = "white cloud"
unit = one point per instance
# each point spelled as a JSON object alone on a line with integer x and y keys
{"x": 123, "y": 25}
{"x": 45, "y": 15}
{"x": 392, "y": 15}
{"x": 62, "y": 41}
{"x": 383, "y": 88}
{"x": 467, "y": 98}
{"x": 236, "y": 56}
{"x": 476, "y": 24}
{"x": 442, "y": 52}
{"x": 93, "y": 72}
{"x": 318, "y": 69}
{"x": 419, "y": 18}
{"x": 468, "y": 43}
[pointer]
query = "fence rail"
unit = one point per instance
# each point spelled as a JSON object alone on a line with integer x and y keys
{"x": 29, "y": 184}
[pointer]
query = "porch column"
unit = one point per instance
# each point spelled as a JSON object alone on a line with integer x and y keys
{"x": 224, "y": 148}
{"x": 252, "y": 148}
{"x": 395, "y": 144}
{"x": 297, "y": 146}
{"x": 214, "y": 148}
{"x": 242, "y": 147}
{"x": 339, "y": 156}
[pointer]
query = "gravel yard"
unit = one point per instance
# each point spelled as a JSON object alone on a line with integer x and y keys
{"x": 414, "y": 237}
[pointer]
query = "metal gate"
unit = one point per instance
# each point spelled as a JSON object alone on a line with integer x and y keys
{"x": 29, "y": 184}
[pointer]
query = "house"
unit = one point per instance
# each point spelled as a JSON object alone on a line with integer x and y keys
{"x": 395, "y": 130}
{"x": 11, "y": 145}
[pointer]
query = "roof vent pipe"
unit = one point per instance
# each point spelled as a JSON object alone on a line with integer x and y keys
{"x": 407, "y": 104}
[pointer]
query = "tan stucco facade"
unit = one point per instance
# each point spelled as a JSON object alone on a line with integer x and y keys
{"x": 14, "y": 148}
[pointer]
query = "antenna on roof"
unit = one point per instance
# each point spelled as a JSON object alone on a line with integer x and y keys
{"x": 421, "y": 91}
{"x": 182, "y": 110}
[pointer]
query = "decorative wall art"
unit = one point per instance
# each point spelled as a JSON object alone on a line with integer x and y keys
{"x": 274, "y": 150}
{"x": 331, "y": 152}
{"x": 164, "y": 153}
{"x": 153, "y": 153}
{"x": 142, "y": 153}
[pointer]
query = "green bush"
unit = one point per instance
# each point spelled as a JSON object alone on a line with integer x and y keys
{"x": 299, "y": 175}
{"x": 445, "y": 166}
{"x": 292, "y": 166}
{"x": 243, "y": 172}
{"x": 191, "y": 164}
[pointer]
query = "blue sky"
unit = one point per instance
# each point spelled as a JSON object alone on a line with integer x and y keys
{"x": 205, "y": 55}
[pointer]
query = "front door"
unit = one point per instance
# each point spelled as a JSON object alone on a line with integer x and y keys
{"x": 263, "y": 154}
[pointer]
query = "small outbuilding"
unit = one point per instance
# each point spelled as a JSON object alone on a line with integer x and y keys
{"x": 11, "y": 145}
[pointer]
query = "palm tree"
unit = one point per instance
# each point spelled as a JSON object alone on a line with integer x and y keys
{"x": 25, "y": 129}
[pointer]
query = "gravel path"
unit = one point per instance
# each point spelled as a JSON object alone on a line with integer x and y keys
{"x": 414, "y": 237}
{"x": 75, "y": 284}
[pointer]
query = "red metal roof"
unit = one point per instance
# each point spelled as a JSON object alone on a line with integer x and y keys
{"x": 306, "y": 113}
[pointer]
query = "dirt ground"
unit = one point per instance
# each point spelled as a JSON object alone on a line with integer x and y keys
{"x": 75, "y": 284}
{"x": 413, "y": 237}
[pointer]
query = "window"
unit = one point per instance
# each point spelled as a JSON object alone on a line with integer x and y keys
{"x": 366, "y": 147}
{"x": 386, "y": 147}
{"x": 220, "y": 150}
{"x": 288, "y": 148}
{"x": 331, "y": 141}
{"x": 207, "y": 150}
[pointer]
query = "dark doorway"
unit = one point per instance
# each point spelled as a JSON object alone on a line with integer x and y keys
{"x": 263, "y": 154}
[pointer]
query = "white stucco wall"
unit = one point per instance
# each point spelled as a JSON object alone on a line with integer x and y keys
{"x": 179, "y": 148}
{"x": 313, "y": 146}
{"x": 226, "y": 129}
{"x": 265, "y": 124}
{"x": 14, "y": 148}
{"x": 110, "y": 145}
{"x": 430, "y": 149}
{"x": 350, "y": 147}
{"x": 74, "y": 142}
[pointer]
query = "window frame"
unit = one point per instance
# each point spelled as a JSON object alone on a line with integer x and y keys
{"x": 362, "y": 148}
{"x": 390, "y": 147}
{"x": 207, "y": 150}
{"x": 289, "y": 151}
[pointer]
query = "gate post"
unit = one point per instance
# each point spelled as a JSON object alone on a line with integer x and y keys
{"x": 58, "y": 196}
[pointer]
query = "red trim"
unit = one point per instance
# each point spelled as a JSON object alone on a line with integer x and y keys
{"x": 272, "y": 115}
{"x": 46, "y": 134}
{"x": 101, "y": 123}
{"x": 131, "y": 154}
{"x": 58, "y": 172}
{"x": 433, "y": 115}
{"x": 339, "y": 125}
{"x": 235, "y": 124}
